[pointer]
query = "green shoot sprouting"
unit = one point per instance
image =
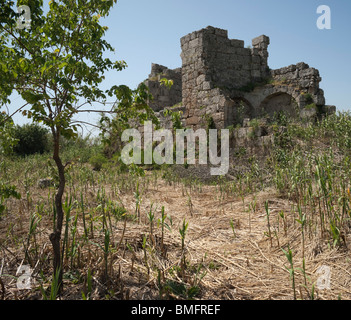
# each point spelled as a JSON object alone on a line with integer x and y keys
{"x": 268, "y": 223}
{"x": 182, "y": 232}
{"x": 232, "y": 226}
{"x": 291, "y": 270}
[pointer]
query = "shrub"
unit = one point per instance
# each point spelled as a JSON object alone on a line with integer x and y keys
{"x": 97, "y": 161}
{"x": 80, "y": 149}
{"x": 32, "y": 138}
{"x": 311, "y": 106}
{"x": 281, "y": 118}
{"x": 308, "y": 98}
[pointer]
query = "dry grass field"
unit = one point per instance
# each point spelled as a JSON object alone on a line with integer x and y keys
{"x": 278, "y": 230}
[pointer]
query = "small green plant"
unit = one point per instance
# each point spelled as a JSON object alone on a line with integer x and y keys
{"x": 166, "y": 82}
{"x": 145, "y": 255}
{"x": 137, "y": 197}
{"x": 302, "y": 221}
{"x": 232, "y": 226}
{"x": 67, "y": 208}
{"x": 303, "y": 270}
{"x": 282, "y": 215}
{"x": 74, "y": 244}
{"x": 268, "y": 222}
{"x": 106, "y": 249}
{"x": 7, "y": 191}
{"x": 182, "y": 232}
{"x": 284, "y": 80}
{"x": 209, "y": 122}
{"x": 280, "y": 118}
{"x": 163, "y": 224}
{"x": 176, "y": 117}
{"x": 83, "y": 215}
{"x": 54, "y": 289}
{"x": 291, "y": 270}
{"x": 86, "y": 294}
{"x": 231, "y": 128}
{"x": 179, "y": 289}
{"x": 308, "y": 98}
{"x": 151, "y": 218}
{"x": 190, "y": 203}
{"x": 253, "y": 207}
{"x": 311, "y": 106}
{"x": 34, "y": 221}
{"x": 254, "y": 123}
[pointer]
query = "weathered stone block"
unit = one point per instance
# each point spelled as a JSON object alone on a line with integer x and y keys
{"x": 192, "y": 121}
{"x": 327, "y": 109}
{"x": 200, "y": 79}
{"x": 221, "y": 32}
{"x": 256, "y": 59}
{"x": 194, "y": 43}
{"x": 237, "y": 43}
{"x": 261, "y": 39}
{"x": 206, "y": 85}
{"x": 320, "y": 100}
{"x": 308, "y": 113}
{"x": 256, "y": 73}
{"x": 302, "y": 66}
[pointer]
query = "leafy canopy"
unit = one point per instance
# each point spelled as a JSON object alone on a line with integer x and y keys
{"x": 58, "y": 61}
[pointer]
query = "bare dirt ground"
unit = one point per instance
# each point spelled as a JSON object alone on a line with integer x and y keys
{"x": 247, "y": 265}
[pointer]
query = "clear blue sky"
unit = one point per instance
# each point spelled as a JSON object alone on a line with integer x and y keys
{"x": 149, "y": 31}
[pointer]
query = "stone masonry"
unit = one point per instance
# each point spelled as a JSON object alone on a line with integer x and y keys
{"x": 164, "y": 97}
{"x": 222, "y": 79}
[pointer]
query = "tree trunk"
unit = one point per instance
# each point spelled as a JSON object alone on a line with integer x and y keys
{"x": 55, "y": 237}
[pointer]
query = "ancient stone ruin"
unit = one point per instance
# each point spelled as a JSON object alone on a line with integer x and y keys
{"x": 163, "y": 96}
{"x": 222, "y": 79}
{"x": 223, "y": 84}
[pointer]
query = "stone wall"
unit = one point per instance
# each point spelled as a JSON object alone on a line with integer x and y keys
{"x": 303, "y": 78}
{"x": 163, "y": 96}
{"x": 212, "y": 63}
{"x": 289, "y": 89}
{"x": 222, "y": 79}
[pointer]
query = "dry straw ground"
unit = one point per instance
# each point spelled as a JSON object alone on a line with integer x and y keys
{"x": 222, "y": 262}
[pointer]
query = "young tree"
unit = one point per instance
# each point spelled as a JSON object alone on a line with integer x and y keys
{"x": 57, "y": 66}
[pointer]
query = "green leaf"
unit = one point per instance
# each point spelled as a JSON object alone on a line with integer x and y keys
{"x": 31, "y": 97}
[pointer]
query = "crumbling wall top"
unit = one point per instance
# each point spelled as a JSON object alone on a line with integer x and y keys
{"x": 164, "y": 96}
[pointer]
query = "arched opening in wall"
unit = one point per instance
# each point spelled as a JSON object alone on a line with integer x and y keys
{"x": 237, "y": 110}
{"x": 276, "y": 103}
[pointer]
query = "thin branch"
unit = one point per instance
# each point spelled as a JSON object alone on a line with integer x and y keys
{"x": 89, "y": 124}
{"x": 83, "y": 104}
{"x": 19, "y": 41}
{"x": 10, "y": 116}
{"x": 90, "y": 102}
{"x": 85, "y": 123}
{"x": 98, "y": 111}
